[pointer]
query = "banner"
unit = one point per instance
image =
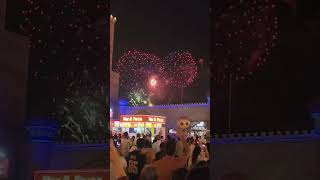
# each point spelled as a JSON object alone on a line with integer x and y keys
{"x": 72, "y": 175}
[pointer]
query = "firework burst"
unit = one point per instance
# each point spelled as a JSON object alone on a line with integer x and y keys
{"x": 181, "y": 68}
{"x": 139, "y": 97}
{"x": 136, "y": 67}
{"x": 245, "y": 33}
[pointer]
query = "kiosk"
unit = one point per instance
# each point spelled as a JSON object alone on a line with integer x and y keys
{"x": 142, "y": 124}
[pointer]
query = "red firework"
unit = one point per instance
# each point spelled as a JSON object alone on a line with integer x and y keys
{"x": 135, "y": 68}
{"x": 181, "y": 68}
{"x": 244, "y": 34}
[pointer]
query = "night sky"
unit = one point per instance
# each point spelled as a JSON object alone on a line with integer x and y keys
{"x": 281, "y": 95}
{"x": 163, "y": 26}
{"x": 68, "y": 49}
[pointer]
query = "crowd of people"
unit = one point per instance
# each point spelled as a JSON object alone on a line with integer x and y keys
{"x": 170, "y": 158}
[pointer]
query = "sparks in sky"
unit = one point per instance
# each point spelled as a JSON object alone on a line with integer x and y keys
{"x": 135, "y": 68}
{"x": 181, "y": 69}
{"x": 245, "y": 34}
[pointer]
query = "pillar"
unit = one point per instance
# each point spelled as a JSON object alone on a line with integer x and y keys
{"x": 112, "y": 22}
{"x": 114, "y": 77}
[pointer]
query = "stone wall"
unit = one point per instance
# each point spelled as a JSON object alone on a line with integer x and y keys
{"x": 45, "y": 153}
{"x": 265, "y": 156}
{"x": 268, "y": 157}
{"x": 80, "y": 156}
{"x": 256, "y": 156}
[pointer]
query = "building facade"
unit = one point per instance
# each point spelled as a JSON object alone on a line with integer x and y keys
{"x": 290, "y": 155}
{"x": 198, "y": 113}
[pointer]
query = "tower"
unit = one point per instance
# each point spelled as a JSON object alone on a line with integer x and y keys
{"x": 114, "y": 77}
{"x": 112, "y": 22}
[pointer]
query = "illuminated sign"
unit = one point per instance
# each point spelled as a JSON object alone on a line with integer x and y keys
{"x": 143, "y": 118}
{"x": 156, "y": 119}
{"x": 72, "y": 175}
{"x": 129, "y": 125}
{"x": 116, "y": 123}
{"x": 153, "y": 125}
{"x": 132, "y": 119}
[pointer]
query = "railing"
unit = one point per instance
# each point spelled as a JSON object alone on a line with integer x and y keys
{"x": 267, "y": 137}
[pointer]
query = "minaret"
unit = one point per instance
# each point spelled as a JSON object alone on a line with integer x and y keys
{"x": 112, "y": 22}
{"x": 2, "y": 14}
{"x": 114, "y": 77}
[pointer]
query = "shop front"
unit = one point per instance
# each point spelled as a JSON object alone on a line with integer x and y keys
{"x": 143, "y": 124}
